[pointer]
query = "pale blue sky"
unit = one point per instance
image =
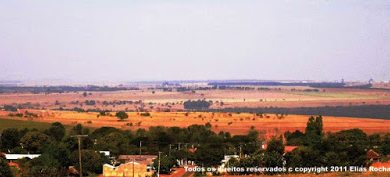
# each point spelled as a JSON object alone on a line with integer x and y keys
{"x": 123, "y": 40}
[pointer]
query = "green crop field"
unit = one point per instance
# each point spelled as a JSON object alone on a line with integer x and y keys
{"x": 21, "y": 124}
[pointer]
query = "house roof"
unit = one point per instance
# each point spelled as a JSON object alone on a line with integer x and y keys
{"x": 113, "y": 167}
{"x": 13, "y": 164}
{"x": 371, "y": 154}
{"x": 143, "y": 159}
{"x": 288, "y": 149}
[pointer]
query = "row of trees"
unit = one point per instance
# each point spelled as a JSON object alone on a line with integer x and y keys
{"x": 59, "y": 149}
{"x": 316, "y": 148}
{"x": 197, "y": 104}
{"x": 197, "y": 143}
{"x": 364, "y": 111}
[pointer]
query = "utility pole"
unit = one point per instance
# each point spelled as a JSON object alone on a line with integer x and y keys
{"x": 79, "y": 142}
{"x": 240, "y": 150}
{"x": 133, "y": 167}
{"x": 186, "y": 150}
{"x": 170, "y": 147}
{"x": 140, "y": 148}
{"x": 158, "y": 168}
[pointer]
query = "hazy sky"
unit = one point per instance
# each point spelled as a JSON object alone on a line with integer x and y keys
{"x": 124, "y": 40}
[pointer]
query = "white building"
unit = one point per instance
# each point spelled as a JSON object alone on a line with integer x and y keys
{"x": 20, "y": 156}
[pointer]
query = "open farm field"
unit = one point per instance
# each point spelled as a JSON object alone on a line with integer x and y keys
{"x": 235, "y": 123}
{"x": 158, "y": 100}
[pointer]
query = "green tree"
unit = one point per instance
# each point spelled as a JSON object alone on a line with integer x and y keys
{"x": 122, "y": 115}
{"x": 79, "y": 130}
{"x": 314, "y": 131}
{"x": 254, "y": 160}
{"x": 385, "y": 146}
{"x": 9, "y": 139}
{"x": 44, "y": 165}
{"x": 166, "y": 164}
{"x": 116, "y": 142}
{"x": 295, "y": 138}
{"x": 349, "y": 145}
{"x": 58, "y": 151}
{"x": 374, "y": 140}
{"x": 5, "y": 170}
{"x": 34, "y": 141}
{"x": 273, "y": 156}
{"x": 209, "y": 154}
{"x": 273, "y": 159}
{"x": 92, "y": 161}
{"x": 304, "y": 157}
{"x": 275, "y": 145}
{"x": 56, "y": 131}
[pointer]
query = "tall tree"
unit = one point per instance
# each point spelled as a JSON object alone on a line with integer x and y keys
{"x": 273, "y": 156}
{"x": 44, "y": 165}
{"x": 56, "y": 131}
{"x": 92, "y": 161}
{"x": 385, "y": 146}
{"x": 275, "y": 145}
{"x": 9, "y": 139}
{"x": 314, "y": 131}
{"x": 166, "y": 164}
{"x": 34, "y": 141}
{"x": 79, "y": 130}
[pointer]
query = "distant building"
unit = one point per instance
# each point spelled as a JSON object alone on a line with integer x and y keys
{"x": 225, "y": 162}
{"x": 11, "y": 157}
{"x": 226, "y": 159}
{"x": 373, "y": 156}
{"x": 105, "y": 153}
{"x": 144, "y": 159}
{"x": 132, "y": 169}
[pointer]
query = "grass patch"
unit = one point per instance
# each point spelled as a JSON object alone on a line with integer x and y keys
{"x": 21, "y": 124}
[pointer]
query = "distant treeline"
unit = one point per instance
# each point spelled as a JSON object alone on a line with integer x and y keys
{"x": 363, "y": 111}
{"x": 273, "y": 83}
{"x": 60, "y": 89}
{"x": 197, "y": 104}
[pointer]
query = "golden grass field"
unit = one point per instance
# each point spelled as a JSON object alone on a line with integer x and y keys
{"x": 234, "y": 123}
{"x": 157, "y": 100}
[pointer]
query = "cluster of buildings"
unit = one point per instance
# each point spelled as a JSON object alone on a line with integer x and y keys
{"x": 142, "y": 165}
{"x": 133, "y": 165}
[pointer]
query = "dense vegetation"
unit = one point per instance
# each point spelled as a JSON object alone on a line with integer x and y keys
{"x": 59, "y": 150}
{"x": 196, "y": 143}
{"x": 317, "y": 149}
{"x": 197, "y": 105}
{"x": 364, "y": 111}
